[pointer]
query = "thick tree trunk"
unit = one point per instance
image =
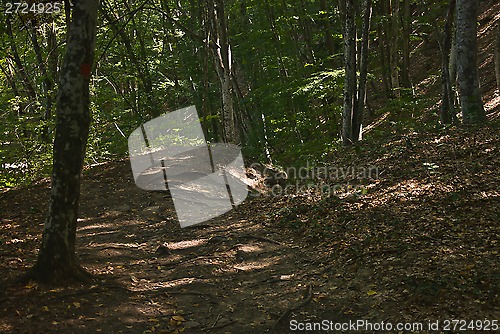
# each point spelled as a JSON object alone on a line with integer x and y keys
{"x": 468, "y": 79}
{"x": 56, "y": 260}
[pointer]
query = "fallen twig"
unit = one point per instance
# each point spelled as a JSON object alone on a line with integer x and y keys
{"x": 216, "y": 320}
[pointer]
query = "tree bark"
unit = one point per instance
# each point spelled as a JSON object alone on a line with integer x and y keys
{"x": 359, "y": 107}
{"x": 223, "y": 66}
{"x": 383, "y": 61}
{"x": 468, "y": 79}
{"x": 384, "y": 49}
{"x": 57, "y": 262}
{"x": 394, "y": 48}
{"x": 405, "y": 66}
{"x": 447, "y": 114}
{"x": 497, "y": 57}
{"x": 350, "y": 72}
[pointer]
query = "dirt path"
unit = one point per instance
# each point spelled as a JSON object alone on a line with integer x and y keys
{"x": 231, "y": 275}
{"x": 420, "y": 245}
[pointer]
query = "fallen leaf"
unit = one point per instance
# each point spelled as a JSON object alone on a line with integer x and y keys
{"x": 178, "y": 318}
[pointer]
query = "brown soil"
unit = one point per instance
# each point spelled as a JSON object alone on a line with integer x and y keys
{"x": 419, "y": 244}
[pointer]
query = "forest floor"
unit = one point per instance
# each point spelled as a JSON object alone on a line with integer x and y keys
{"x": 416, "y": 242}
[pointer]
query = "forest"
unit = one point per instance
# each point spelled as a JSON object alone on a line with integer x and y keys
{"x": 249, "y": 166}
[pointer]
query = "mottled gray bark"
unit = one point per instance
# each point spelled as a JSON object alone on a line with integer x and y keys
{"x": 223, "y": 65}
{"x": 467, "y": 70}
{"x": 56, "y": 260}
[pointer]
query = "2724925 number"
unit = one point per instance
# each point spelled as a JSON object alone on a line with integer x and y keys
{"x": 35, "y": 8}
{"x": 471, "y": 325}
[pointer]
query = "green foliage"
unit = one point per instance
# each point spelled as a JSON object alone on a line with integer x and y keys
{"x": 158, "y": 57}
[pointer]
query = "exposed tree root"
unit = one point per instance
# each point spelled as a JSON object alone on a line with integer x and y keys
{"x": 72, "y": 275}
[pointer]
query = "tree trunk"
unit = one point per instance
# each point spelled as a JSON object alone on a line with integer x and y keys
{"x": 223, "y": 66}
{"x": 497, "y": 57}
{"x": 447, "y": 114}
{"x": 405, "y": 68}
{"x": 359, "y": 108}
{"x": 468, "y": 78}
{"x": 394, "y": 48}
{"x": 350, "y": 72}
{"x": 384, "y": 49}
{"x": 383, "y": 61}
{"x": 57, "y": 262}
{"x": 453, "y": 64}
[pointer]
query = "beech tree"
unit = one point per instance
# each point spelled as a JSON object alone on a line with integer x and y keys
{"x": 224, "y": 67}
{"x": 354, "y": 90}
{"x": 56, "y": 259}
{"x": 468, "y": 79}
